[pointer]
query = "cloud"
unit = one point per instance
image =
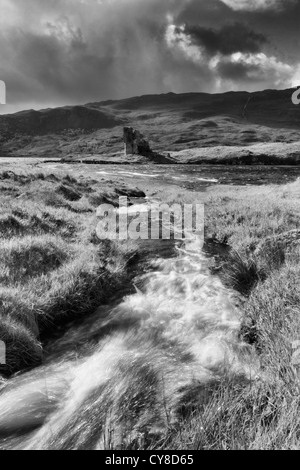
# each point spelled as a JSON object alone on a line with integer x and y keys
{"x": 257, "y": 5}
{"x": 254, "y": 67}
{"x": 181, "y": 43}
{"x": 56, "y": 52}
{"x": 59, "y": 54}
{"x": 230, "y": 38}
{"x": 233, "y": 65}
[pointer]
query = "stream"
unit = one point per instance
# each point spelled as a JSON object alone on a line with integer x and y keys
{"x": 139, "y": 365}
{"x": 135, "y": 367}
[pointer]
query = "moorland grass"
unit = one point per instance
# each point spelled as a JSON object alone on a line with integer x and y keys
{"x": 263, "y": 266}
{"x": 265, "y": 413}
{"x": 255, "y": 223}
{"x": 53, "y": 268}
{"x": 261, "y": 413}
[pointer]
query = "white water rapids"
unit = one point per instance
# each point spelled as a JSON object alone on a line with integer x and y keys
{"x": 137, "y": 366}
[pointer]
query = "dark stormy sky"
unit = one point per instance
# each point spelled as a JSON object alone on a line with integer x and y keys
{"x": 56, "y": 52}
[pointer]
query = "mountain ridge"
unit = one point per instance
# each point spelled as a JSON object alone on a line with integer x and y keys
{"x": 171, "y": 122}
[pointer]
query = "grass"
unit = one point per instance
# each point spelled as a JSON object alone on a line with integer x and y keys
{"x": 245, "y": 216}
{"x": 53, "y": 268}
{"x": 231, "y": 413}
{"x": 264, "y": 267}
{"x": 264, "y": 414}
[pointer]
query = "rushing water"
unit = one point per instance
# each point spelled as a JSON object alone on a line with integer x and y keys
{"x": 136, "y": 366}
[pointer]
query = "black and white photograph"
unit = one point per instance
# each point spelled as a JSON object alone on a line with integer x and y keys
{"x": 150, "y": 228}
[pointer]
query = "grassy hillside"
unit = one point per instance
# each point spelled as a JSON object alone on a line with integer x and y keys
{"x": 260, "y": 154}
{"x": 171, "y": 122}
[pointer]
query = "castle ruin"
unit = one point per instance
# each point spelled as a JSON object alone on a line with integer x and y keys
{"x": 135, "y": 143}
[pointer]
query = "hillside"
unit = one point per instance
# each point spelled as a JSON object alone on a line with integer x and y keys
{"x": 171, "y": 122}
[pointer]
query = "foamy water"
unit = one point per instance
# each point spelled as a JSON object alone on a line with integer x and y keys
{"x": 129, "y": 173}
{"x": 139, "y": 363}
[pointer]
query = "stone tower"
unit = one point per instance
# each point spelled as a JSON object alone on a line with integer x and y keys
{"x": 135, "y": 143}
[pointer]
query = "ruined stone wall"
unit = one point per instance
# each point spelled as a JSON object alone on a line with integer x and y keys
{"x": 135, "y": 143}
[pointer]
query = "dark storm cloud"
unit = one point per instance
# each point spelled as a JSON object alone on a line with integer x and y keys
{"x": 277, "y": 20}
{"x": 230, "y": 38}
{"x": 55, "y": 52}
{"x": 233, "y": 71}
{"x": 272, "y": 39}
{"x": 64, "y": 51}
